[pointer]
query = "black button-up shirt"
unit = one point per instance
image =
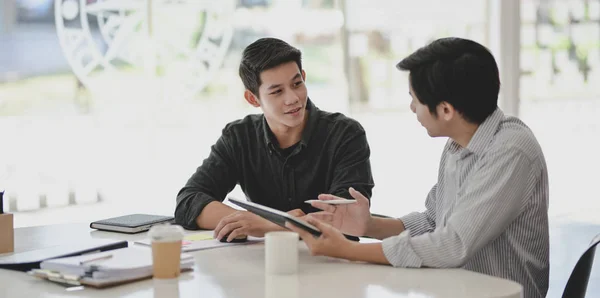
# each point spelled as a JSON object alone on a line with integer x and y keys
{"x": 332, "y": 155}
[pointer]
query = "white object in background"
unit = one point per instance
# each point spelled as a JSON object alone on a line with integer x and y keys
{"x": 281, "y": 252}
{"x": 85, "y": 191}
{"x": 27, "y": 194}
{"x": 57, "y": 194}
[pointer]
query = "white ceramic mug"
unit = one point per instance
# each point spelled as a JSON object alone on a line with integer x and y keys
{"x": 281, "y": 253}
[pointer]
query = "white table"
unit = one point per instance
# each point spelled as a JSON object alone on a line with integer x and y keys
{"x": 238, "y": 271}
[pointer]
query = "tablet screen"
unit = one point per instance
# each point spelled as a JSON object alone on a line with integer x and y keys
{"x": 276, "y": 216}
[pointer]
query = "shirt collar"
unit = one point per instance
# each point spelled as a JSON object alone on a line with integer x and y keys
{"x": 483, "y": 135}
{"x": 311, "y": 124}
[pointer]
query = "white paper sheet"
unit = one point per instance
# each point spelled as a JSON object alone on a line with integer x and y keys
{"x": 203, "y": 240}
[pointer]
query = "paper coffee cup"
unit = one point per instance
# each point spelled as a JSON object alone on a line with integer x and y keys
{"x": 281, "y": 253}
{"x": 166, "y": 250}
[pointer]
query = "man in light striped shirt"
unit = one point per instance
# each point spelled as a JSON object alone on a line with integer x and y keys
{"x": 488, "y": 211}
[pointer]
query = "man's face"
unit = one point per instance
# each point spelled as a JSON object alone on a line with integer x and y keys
{"x": 433, "y": 124}
{"x": 283, "y": 95}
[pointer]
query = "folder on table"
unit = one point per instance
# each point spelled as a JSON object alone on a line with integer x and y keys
{"x": 27, "y": 260}
{"x": 104, "y": 269}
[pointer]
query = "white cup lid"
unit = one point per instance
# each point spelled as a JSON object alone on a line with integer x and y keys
{"x": 166, "y": 233}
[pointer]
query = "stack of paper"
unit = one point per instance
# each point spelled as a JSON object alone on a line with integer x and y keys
{"x": 203, "y": 240}
{"x": 107, "y": 268}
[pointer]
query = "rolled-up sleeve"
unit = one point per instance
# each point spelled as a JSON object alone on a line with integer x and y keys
{"x": 212, "y": 181}
{"x": 494, "y": 196}
{"x": 352, "y": 165}
{"x": 418, "y": 223}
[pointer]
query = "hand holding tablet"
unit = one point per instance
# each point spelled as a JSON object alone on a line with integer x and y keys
{"x": 276, "y": 216}
{"x": 280, "y": 218}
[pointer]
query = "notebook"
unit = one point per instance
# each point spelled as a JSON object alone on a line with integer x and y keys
{"x": 104, "y": 269}
{"x": 132, "y": 223}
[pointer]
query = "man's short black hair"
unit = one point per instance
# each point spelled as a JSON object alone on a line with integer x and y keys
{"x": 264, "y": 54}
{"x": 458, "y": 71}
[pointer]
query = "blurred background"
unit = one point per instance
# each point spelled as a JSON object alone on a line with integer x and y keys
{"x": 108, "y": 106}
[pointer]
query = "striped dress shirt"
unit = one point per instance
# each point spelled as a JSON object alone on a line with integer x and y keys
{"x": 488, "y": 211}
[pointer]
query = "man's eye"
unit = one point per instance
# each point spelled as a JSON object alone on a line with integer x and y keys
{"x": 276, "y": 92}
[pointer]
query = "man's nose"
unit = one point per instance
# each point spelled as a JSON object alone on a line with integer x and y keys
{"x": 293, "y": 98}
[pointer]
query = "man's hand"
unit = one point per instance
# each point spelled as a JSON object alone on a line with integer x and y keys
{"x": 242, "y": 223}
{"x": 352, "y": 219}
{"x": 297, "y": 213}
{"x": 331, "y": 243}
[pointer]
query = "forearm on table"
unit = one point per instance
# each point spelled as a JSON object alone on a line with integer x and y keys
{"x": 369, "y": 252}
{"x": 212, "y": 214}
{"x": 381, "y": 228}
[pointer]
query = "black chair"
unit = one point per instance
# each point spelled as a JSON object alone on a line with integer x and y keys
{"x": 578, "y": 281}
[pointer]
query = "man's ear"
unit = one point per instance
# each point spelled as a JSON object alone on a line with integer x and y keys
{"x": 303, "y": 75}
{"x": 251, "y": 98}
{"x": 446, "y": 111}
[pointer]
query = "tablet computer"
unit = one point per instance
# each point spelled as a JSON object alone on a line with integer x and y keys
{"x": 276, "y": 216}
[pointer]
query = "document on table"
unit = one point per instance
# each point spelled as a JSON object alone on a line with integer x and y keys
{"x": 203, "y": 240}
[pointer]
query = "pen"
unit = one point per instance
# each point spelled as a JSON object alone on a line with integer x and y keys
{"x": 95, "y": 259}
{"x": 332, "y": 202}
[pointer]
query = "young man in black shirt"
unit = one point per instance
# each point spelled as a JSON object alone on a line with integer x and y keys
{"x": 289, "y": 154}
